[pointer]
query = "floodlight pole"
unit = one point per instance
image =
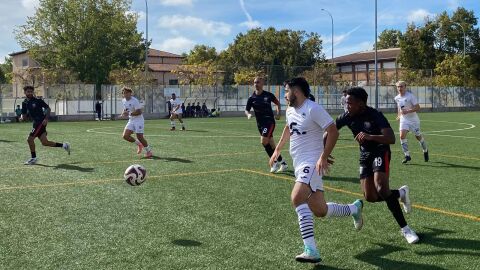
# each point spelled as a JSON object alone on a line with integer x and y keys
{"x": 376, "y": 64}
{"x": 146, "y": 39}
{"x": 331, "y": 17}
{"x": 464, "y": 37}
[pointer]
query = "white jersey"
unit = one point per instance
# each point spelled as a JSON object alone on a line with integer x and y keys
{"x": 307, "y": 125}
{"x": 407, "y": 102}
{"x": 343, "y": 101}
{"x": 132, "y": 105}
{"x": 175, "y": 103}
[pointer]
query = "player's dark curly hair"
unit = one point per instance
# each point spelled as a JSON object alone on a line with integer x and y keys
{"x": 28, "y": 87}
{"x": 358, "y": 93}
{"x": 301, "y": 83}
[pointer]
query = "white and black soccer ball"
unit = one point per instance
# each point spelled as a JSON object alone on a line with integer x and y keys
{"x": 135, "y": 175}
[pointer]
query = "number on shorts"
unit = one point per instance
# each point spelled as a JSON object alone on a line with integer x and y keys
{"x": 377, "y": 161}
{"x": 306, "y": 169}
{"x": 265, "y": 130}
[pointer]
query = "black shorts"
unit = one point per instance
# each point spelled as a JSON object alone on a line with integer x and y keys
{"x": 38, "y": 130}
{"x": 266, "y": 129}
{"x": 376, "y": 161}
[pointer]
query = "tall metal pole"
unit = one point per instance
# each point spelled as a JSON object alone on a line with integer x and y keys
{"x": 376, "y": 64}
{"x": 331, "y": 17}
{"x": 146, "y": 40}
{"x": 464, "y": 38}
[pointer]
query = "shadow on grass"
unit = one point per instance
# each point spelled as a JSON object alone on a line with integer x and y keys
{"x": 186, "y": 243}
{"x": 170, "y": 159}
{"x": 327, "y": 267}
{"x": 376, "y": 257}
{"x": 441, "y": 164}
{"x": 450, "y": 245}
{"x": 196, "y": 130}
{"x": 70, "y": 167}
{"x": 6, "y": 141}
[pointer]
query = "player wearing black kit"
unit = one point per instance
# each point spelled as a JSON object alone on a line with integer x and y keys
{"x": 261, "y": 102}
{"x": 374, "y": 134}
{"x": 39, "y": 112}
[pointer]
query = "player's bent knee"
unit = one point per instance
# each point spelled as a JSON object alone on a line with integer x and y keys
{"x": 320, "y": 212}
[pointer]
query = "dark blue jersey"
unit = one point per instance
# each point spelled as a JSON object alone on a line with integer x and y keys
{"x": 262, "y": 106}
{"x": 371, "y": 122}
{"x": 34, "y": 108}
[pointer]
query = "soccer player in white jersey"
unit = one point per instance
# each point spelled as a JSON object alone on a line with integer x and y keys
{"x": 176, "y": 112}
{"x": 306, "y": 123}
{"x": 407, "y": 114}
{"x": 136, "y": 124}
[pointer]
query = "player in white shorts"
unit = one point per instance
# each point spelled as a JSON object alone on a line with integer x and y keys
{"x": 176, "y": 112}
{"x": 407, "y": 114}
{"x": 306, "y": 123}
{"x": 133, "y": 109}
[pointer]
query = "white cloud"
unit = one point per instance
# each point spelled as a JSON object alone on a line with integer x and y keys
{"x": 177, "y": 23}
{"x": 176, "y": 45}
{"x": 337, "y": 39}
{"x": 250, "y": 23}
{"x": 30, "y": 5}
{"x": 419, "y": 15}
{"x": 177, "y": 2}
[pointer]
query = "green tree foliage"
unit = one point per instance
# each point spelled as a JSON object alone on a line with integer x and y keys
{"x": 270, "y": 47}
{"x": 389, "y": 38}
{"x": 6, "y": 70}
{"x": 455, "y": 70}
{"x": 201, "y": 54}
{"x": 245, "y": 76}
{"x": 417, "y": 47}
{"x": 87, "y": 37}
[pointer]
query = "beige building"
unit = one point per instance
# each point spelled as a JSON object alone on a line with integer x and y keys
{"x": 28, "y": 72}
{"x": 359, "y": 68}
{"x": 161, "y": 64}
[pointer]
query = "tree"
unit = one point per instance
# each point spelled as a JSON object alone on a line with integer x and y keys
{"x": 206, "y": 73}
{"x": 417, "y": 47}
{"x": 389, "y": 38}
{"x": 456, "y": 70}
{"x": 244, "y": 76}
{"x": 275, "y": 49}
{"x": 87, "y": 37}
{"x": 6, "y": 70}
{"x": 201, "y": 54}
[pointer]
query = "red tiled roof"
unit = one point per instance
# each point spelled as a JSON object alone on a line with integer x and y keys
{"x": 367, "y": 56}
{"x": 158, "y": 53}
{"x": 162, "y": 67}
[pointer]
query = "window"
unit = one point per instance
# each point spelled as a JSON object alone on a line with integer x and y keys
{"x": 25, "y": 62}
{"x": 371, "y": 66}
{"x": 390, "y": 65}
{"x": 173, "y": 82}
{"x": 346, "y": 68}
{"x": 360, "y": 67}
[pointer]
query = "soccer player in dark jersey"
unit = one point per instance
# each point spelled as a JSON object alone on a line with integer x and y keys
{"x": 39, "y": 112}
{"x": 374, "y": 135}
{"x": 261, "y": 101}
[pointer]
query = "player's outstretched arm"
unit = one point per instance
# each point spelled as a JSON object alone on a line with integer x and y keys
{"x": 137, "y": 112}
{"x": 283, "y": 139}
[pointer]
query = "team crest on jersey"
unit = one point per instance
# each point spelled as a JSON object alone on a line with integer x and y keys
{"x": 304, "y": 115}
{"x": 265, "y": 99}
{"x": 34, "y": 105}
{"x": 367, "y": 125}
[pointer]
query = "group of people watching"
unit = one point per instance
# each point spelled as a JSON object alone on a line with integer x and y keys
{"x": 192, "y": 110}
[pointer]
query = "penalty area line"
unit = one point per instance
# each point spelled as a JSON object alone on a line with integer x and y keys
{"x": 356, "y": 194}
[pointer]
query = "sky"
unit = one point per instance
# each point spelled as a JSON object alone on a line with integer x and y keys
{"x": 178, "y": 25}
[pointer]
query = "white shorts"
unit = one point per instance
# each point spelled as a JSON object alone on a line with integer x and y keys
{"x": 306, "y": 173}
{"x": 135, "y": 126}
{"x": 412, "y": 126}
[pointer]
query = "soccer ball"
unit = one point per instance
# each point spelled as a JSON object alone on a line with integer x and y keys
{"x": 135, "y": 175}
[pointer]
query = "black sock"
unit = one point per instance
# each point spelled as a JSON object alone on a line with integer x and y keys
{"x": 34, "y": 154}
{"x": 395, "y": 193}
{"x": 268, "y": 149}
{"x": 279, "y": 159}
{"x": 394, "y": 207}
{"x": 58, "y": 144}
